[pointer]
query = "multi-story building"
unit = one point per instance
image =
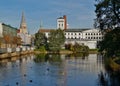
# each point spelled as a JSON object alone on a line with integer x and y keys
{"x": 84, "y": 36}
{"x": 7, "y": 30}
{"x": 89, "y": 37}
{"x": 7, "y": 33}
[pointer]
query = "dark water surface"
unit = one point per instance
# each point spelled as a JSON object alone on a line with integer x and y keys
{"x": 51, "y": 70}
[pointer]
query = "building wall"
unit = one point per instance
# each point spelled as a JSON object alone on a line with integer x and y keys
{"x": 60, "y": 23}
{"x": 90, "y": 44}
{"x": 90, "y": 34}
{"x": 26, "y": 38}
{"x": 1, "y": 30}
{"x": 8, "y": 30}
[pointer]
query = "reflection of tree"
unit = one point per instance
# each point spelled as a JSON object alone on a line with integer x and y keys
{"x": 47, "y": 57}
{"x": 102, "y": 79}
{"x": 39, "y": 58}
{"x": 54, "y": 58}
{"x": 109, "y": 79}
{"x": 77, "y": 55}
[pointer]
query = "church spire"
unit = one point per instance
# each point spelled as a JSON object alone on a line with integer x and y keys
{"x": 23, "y": 25}
{"x": 41, "y": 24}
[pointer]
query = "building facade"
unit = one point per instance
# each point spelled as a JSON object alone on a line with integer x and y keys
{"x": 7, "y": 30}
{"x": 89, "y": 37}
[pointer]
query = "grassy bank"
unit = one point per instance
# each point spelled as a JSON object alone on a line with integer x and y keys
{"x": 93, "y": 51}
{"x": 63, "y": 51}
{"x": 60, "y": 52}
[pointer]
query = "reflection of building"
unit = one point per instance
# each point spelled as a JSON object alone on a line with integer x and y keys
{"x": 23, "y": 33}
{"x": 88, "y": 37}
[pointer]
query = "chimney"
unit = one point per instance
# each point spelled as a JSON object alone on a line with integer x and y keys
{"x": 65, "y": 18}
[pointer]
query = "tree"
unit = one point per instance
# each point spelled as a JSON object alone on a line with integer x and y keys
{"x": 56, "y": 39}
{"x": 1, "y": 41}
{"x": 17, "y": 40}
{"x": 111, "y": 43}
{"x": 7, "y": 39}
{"x": 40, "y": 40}
{"x": 108, "y": 14}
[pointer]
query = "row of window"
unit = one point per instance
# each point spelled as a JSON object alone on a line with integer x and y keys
{"x": 81, "y": 33}
{"x": 72, "y": 33}
{"x": 95, "y": 38}
{"x": 93, "y": 34}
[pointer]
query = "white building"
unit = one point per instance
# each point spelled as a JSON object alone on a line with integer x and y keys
{"x": 88, "y": 37}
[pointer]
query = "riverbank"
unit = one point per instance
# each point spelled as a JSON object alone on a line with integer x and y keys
{"x": 13, "y": 54}
{"x": 113, "y": 64}
{"x": 60, "y": 52}
{"x": 92, "y": 51}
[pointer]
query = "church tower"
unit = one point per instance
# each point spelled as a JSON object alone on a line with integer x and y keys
{"x": 23, "y": 25}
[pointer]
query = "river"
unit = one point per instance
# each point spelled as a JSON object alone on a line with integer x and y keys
{"x": 54, "y": 70}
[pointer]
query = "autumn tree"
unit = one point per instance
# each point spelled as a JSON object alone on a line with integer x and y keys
{"x": 7, "y": 39}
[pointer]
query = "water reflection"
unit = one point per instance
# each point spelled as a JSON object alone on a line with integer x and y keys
{"x": 56, "y": 70}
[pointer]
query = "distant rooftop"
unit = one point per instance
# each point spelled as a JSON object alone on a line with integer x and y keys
{"x": 45, "y": 30}
{"x": 76, "y": 30}
{"x": 67, "y": 30}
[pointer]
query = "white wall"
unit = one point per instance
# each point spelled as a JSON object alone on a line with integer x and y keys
{"x": 1, "y": 30}
{"x": 61, "y": 24}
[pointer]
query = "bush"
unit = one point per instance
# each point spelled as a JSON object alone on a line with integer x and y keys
{"x": 41, "y": 49}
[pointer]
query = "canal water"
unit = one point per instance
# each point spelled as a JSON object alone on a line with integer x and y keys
{"x": 53, "y": 70}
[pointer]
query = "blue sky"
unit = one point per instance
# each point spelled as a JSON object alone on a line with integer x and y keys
{"x": 80, "y": 13}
